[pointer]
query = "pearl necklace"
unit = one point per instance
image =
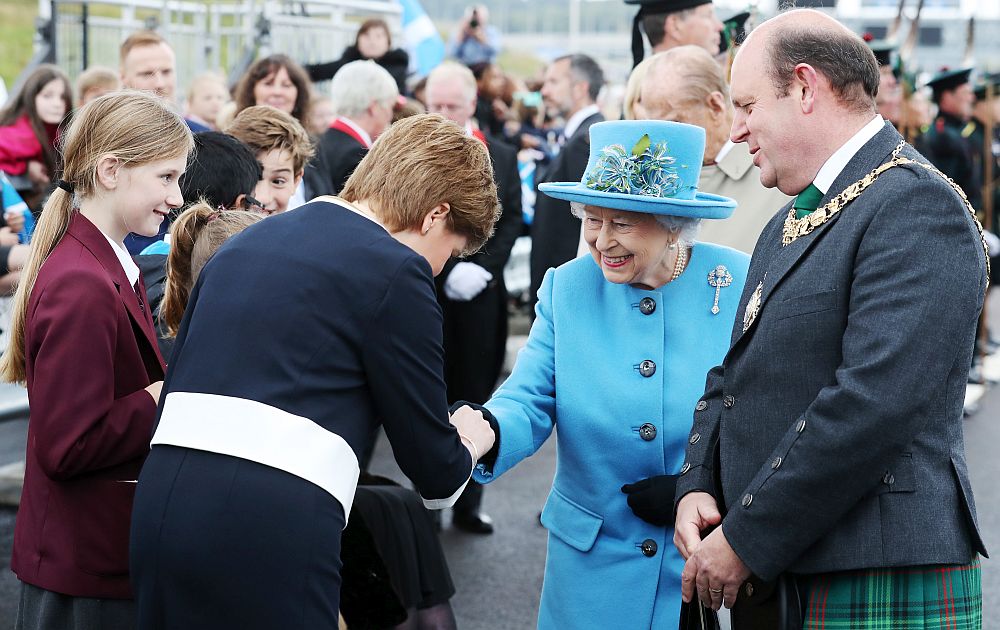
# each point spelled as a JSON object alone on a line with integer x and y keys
{"x": 680, "y": 262}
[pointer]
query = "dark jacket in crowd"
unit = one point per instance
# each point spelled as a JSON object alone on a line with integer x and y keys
{"x": 555, "y": 233}
{"x": 396, "y": 62}
{"x": 475, "y": 331}
{"x": 339, "y": 153}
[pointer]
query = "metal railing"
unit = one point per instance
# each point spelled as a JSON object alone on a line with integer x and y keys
{"x": 219, "y": 36}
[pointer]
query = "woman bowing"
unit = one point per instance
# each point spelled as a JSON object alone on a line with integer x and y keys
{"x": 301, "y": 334}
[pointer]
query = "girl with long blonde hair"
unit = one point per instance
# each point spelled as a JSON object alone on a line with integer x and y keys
{"x": 83, "y": 341}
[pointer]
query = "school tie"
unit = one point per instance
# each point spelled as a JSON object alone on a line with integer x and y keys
{"x": 139, "y": 296}
{"x": 807, "y": 201}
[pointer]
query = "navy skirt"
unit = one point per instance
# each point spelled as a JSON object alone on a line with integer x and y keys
{"x": 220, "y": 542}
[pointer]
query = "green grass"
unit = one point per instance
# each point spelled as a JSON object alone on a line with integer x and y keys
{"x": 17, "y": 28}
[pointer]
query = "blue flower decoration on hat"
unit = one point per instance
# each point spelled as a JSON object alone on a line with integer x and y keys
{"x": 646, "y": 170}
{"x": 658, "y": 175}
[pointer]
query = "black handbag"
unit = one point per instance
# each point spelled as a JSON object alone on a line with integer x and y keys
{"x": 696, "y": 616}
{"x": 776, "y": 605}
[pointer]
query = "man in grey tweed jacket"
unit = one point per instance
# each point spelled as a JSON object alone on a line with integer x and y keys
{"x": 830, "y": 438}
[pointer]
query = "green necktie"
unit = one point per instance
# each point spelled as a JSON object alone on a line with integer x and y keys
{"x": 807, "y": 201}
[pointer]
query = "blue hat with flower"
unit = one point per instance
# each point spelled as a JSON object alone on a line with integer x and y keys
{"x": 648, "y": 166}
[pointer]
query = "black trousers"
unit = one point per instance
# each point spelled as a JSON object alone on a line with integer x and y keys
{"x": 475, "y": 342}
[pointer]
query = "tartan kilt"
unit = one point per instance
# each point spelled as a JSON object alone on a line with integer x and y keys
{"x": 927, "y": 597}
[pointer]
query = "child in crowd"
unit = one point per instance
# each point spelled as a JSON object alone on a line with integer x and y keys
{"x": 95, "y": 82}
{"x": 223, "y": 174}
{"x": 83, "y": 341}
{"x": 282, "y": 147}
{"x": 206, "y": 97}
{"x": 29, "y": 128}
{"x": 321, "y": 114}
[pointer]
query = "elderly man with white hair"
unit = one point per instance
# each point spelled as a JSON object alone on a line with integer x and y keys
{"x": 364, "y": 95}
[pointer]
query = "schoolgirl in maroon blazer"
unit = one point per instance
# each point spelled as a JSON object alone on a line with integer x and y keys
{"x": 84, "y": 343}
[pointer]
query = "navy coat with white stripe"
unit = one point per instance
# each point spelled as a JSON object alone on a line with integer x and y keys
{"x": 322, "y": 314}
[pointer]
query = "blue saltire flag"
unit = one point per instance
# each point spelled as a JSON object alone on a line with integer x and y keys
{"x": 423, "y": 42}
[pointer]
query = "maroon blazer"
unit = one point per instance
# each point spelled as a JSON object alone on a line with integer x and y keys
{"x": 90, "y": 351}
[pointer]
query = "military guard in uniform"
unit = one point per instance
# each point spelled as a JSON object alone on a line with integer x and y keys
{"x": 671, "y": 23}
{"x": 946, "y": 144}
{"x": 889, "y": 100}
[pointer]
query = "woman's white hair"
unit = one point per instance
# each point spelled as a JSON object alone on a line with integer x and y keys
{"x": 685, "y": 227}
{"x": 359, "y": 83}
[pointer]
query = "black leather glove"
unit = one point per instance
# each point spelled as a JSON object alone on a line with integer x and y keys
{"x": 652, "y": 499}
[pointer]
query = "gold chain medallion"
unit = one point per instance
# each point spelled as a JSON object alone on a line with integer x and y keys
{"x": 794, "y": 228}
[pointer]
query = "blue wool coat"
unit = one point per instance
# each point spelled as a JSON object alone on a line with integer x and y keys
{"x": 580, "y": 370}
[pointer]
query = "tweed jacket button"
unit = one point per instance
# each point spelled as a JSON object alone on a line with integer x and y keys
{"x": 647, "y": 432}
{"x": 694, "y": 438}
{"x": 647, "y": 305}
{"x": 649, "y": 547}
{"x": 747, "y": 500}
{"x": 647, "y": 368}
{"x": 888, "y": 479}
{"x": 748, "y": 589}
{"x": 728, "y": 401}
{"x": 701, "y": 406}
{"x": 801, "y": 426}
{"x": 686, "y": 467}
{"x": 775, "y": 463}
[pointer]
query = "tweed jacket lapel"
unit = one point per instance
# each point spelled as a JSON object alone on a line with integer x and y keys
{"x": 781, "y": 259}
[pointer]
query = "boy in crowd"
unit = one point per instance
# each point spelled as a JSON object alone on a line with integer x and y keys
{"x": 282, "y": 147}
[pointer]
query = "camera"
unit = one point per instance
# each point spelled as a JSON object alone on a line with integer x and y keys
{"x": 474, "y": 20}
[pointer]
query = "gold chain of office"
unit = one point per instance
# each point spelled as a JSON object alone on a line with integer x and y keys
{"x": 794, "y": 228}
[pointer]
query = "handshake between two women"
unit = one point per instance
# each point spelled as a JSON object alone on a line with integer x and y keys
{"x": 473, "y": 428}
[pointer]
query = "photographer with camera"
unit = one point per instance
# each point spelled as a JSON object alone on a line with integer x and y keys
{"x": 475, "y": 41}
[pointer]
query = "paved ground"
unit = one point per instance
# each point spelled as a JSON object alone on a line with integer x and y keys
{"x": 499, "y": 577}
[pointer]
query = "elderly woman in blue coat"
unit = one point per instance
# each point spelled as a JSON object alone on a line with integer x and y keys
{"x": 617, "y": 359}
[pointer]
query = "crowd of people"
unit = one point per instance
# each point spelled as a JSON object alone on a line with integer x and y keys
{"x": 220, "y": 303}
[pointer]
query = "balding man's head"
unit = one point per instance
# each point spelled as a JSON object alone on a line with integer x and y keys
{"x": 686, "y": 70}
{"x": 807, "y": 36}
{"x": 685, "y": 84}
{"x": 802, "y": 85}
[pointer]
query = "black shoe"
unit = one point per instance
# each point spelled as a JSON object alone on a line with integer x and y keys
{"x": 472, "y": 522}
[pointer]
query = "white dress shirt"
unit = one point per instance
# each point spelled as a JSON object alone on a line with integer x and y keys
{"x": 832, "y": 168}
{"x": 577, "y": 119}
{"x": 131, "y": 269}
